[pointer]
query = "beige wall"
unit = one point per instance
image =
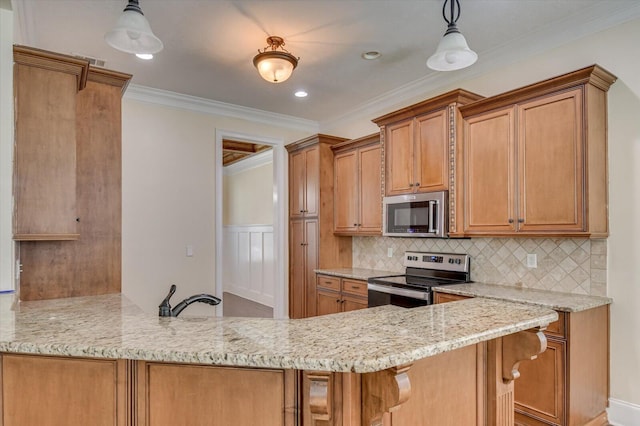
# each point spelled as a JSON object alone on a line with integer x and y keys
{"x": 617, "y": 51}
{"x": 6, "y": 147}
{"x": 168, "y": 199}
{"x": 248, "y": 197}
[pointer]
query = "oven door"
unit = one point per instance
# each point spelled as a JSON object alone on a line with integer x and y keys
{"x": 380, "y": 295}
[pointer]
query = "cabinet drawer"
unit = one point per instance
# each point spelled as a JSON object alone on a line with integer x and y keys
{"x": 557, "y": 328}
{"x": 325, "y": 281}
{"x": 354, "y": 287}
{"x": 446, "y": 297}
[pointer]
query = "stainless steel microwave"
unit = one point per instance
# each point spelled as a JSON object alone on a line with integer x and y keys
{"x": 415, "y": 215}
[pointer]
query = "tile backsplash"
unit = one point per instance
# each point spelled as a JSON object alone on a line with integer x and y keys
{"x": 569, "y": 265}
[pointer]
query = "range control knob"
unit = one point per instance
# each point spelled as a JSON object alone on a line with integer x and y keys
{"x": 458, "y": 261}
{"x": 450, "y": 260}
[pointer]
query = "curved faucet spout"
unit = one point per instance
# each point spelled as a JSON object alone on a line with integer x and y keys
{"x": 203, "y": 298}
{"x": 164, "y": 310}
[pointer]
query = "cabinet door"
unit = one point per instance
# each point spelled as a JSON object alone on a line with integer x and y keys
{"x": 539, "y": 392}
{"x": 431, "y": 152}
{"x": 312, "y": 181}
{"x": 57, "y": 391}
{"x": 345, "y": 217}
{"x": 489, "y": 169}
{"x": 297, "y": 177}
{"x": 297, "y": 301}
{"x": 352, "y": 303}
{"x": 311, "y": 245}
{"x": 551, "y": 163}
{"x": 327, "y": 302}
{"x": 370, "y": 195}
{"x": 45, "y": 155}
{"x": 399, "y": 158}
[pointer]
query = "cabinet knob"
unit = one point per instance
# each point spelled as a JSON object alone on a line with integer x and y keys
{"x": 355, "y": 224}
{"x": 77, "y": 219}
{"x": 510, "y": 220}
{"x": 520, "y": 220}
{"x": 337, "y": 300}
{"x": 342, "y": 301}
{"x": 410, "y": 184}
{"x": 417, "y": 184}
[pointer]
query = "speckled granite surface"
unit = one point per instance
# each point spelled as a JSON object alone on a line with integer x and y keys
{"x": 356, "y": 273}
{"x": 360, "y": 341}
{"x": 566, "y": 302}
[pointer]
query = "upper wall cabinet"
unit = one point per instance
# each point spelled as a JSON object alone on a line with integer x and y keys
{"x": 419, "y": 142}
{"x": 358, "y": 187}
{"x": 45, "y": 88}
{"x": 535, "y": 159}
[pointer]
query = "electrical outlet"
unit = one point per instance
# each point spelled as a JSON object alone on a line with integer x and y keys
{"x": 532, "y": 260}
{"x": 390, "y": 252}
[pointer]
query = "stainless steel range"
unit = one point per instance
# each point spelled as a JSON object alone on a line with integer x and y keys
{"x": 423, "y": 271}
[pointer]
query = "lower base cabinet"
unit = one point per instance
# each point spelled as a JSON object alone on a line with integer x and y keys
{"x": 568, "y": 384}
{"x": 334, "y": 294}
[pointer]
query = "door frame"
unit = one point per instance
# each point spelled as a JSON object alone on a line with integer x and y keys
{"x": 281, "y": 292}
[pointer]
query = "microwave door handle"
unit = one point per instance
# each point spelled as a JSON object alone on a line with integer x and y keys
{"x": 433, "y": 229}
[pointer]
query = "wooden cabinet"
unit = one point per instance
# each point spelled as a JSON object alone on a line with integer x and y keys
{"x": 312, "y": 244}
{"x": 420, "y": 144}
{"x": 56, "y": 391}
{"x": 45, "y": 88}
{"x": 358, "y": 187}
{"x": 92, "y": 264}
{"x": 179, "y": 394}
{"x": 568, "y": 384}
{"x": 535, "y": 160}
{"x": 334, "y": 294}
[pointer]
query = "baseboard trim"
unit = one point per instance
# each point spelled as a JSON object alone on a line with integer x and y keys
{"x": 622, "y": 413}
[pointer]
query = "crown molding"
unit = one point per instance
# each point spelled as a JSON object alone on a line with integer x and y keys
{"x": 594, "y": 19}
{"x": 252, "y": 162}
{"x": 208, "y": 106}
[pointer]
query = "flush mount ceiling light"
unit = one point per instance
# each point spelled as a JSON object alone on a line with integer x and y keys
{"x": 453, "y": 52}
{"x": 132, "y": 32}
{"x": 275, "y": 65}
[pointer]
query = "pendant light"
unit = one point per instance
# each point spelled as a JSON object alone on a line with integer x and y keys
{"x": 453, "y": 52}
{"x": 275, "y": 65}
{"x": 132, "y": 32}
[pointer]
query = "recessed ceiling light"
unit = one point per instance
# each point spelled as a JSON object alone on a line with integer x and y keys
{"x": 145, "y": 56}
{"x": 301, "y": 94}
{"x": 371, "y": 55}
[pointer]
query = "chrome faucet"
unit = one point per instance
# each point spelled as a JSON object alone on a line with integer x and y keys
{"x": 165, "y": 308}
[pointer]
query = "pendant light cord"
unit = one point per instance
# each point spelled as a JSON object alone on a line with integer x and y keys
{"x": 451, "y": 27}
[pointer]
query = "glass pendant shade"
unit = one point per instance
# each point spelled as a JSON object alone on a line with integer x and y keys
{"x": 453, "y": 53}
{"x": 132, "y": 33}
{"x": 274, "y": 65}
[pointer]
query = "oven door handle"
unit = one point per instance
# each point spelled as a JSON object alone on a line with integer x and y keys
{"x": 399, "y": 291}
{"x": 433, "y": 228}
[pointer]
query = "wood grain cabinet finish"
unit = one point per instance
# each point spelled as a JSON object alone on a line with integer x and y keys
{"x": 358, "y": 187}
{"x": 312, "y": 244}
{"x": 334, "y": 294}
{"x": 419, "y": 142}
{"x": 568, "y": 384}
{"x": 56, "y": 391}
{"x": 90, "y": 265}
{"x": 45, "y": 88}
{"x": 534, "y": 159}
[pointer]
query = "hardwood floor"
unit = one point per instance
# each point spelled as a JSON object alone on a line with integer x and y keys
{"x": 236, "y": 306}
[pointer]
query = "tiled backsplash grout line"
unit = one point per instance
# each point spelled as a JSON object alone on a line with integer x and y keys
{"x": 570, "y": 265}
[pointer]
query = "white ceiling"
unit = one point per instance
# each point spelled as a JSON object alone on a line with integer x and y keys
{"x": 209, "y": 45}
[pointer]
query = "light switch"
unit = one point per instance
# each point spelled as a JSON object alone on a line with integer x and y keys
{"x": 390, "y": 252}
{"x": 189, "y": 250}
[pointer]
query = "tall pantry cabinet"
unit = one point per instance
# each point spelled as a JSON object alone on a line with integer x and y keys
{"x": 81, "y": 163}
{"x": 312, "y": 244}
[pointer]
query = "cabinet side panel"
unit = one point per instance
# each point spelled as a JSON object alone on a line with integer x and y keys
{"x": 40, "y": 390}
{"x": 597, "y": 173}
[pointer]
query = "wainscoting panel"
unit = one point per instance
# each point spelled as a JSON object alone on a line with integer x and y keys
{"x": 248, "y": 269}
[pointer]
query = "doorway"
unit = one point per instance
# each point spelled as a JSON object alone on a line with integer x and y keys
{"x": 277, "y": 273}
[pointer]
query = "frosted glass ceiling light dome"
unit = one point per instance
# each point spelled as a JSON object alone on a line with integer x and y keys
{"x": 453, "y": 52}
{"x": 275, "y": 65}
{"x": 132, "y": 32}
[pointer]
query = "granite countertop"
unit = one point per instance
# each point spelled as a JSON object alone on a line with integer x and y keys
{"x": 566, "y": 302}
{"x": 360, "y": 341}
{"x": 356, "y": 273}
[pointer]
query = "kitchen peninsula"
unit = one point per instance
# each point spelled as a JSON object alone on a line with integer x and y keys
{"x": 100, "y": 360}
